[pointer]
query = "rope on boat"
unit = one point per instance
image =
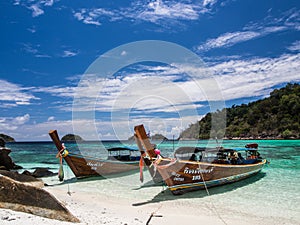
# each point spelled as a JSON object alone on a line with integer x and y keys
{"x": 69, "y": 189}
{"x": 208, "y": 194}
{"x": 61, "y": 154}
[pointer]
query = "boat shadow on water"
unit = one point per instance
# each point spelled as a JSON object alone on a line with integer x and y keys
{"x": 166, "y": 194}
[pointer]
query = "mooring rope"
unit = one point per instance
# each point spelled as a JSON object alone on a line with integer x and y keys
{"x": 68, "y": 177}
{"x": 208, "y": 194}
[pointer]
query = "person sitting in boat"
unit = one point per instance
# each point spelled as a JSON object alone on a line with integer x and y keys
{"x": 233, "y": 156}
{"x": 195, "y": 157}
{"x": 240, "y": 159}
{"x": 253, "y": 154}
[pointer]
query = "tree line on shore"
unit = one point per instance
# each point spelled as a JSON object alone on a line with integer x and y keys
{"x": 274, "y": 117}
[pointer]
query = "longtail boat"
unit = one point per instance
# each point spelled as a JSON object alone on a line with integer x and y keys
{"x": 198, "y": 168}
{"x": 119, "y": 160}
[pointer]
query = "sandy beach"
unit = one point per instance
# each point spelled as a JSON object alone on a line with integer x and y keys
{"x": 124, "y": 200}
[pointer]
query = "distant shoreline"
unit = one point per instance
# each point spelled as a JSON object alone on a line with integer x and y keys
{"x": 95, "y": 141}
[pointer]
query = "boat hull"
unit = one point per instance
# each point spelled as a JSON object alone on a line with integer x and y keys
{"x": 184, "y": 176}
{"x": 86, "y": 167}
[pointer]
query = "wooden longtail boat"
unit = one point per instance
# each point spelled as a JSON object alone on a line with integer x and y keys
{"x": 84, "y": 166}
{"x": 199, "y": 168}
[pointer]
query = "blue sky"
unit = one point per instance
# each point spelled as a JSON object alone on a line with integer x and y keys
{"x": 48, "y": 48}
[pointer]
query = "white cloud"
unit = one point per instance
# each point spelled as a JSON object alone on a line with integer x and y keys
{"x": 17, "y": 2}
{"x": 12, "y": 95}
{"x": 163, "y": 97}
{"x": 79, "y": 15}
{"x": 295, "y": 46}
{"x": 209, "y": 2}
{"x": 13, "y": 123}
{"x": 68, "y": 53}
{"x": 39, "y": 131}
{"x": 27, "y": 47}
{"x": 252, "y": 31}
{"x": 61, "y": 91}
{"x": 257, "y": 76}
{"x": 228, "y": 39}
{"x": 36, "y": 10}
{"x": 171, "y": 89}
{"x": 32, "y": 30}
{"x": 92, "y": 16}
{"x": 20, "y": 120}
{"x": 48, "y": 2}
{"x": 42, "y": 56}
{"x": 51, "y": 118}
{"x": 34, "y": 49}
{"x": 34, "y": 131}
{"x": 157, "y": 89}
{"x": 36, "y": 6}
{"x": 159, "y": 12}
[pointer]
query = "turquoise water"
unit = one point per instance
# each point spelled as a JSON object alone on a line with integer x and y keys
{"x": 274, "y": 194}
{"x": 283, "y": 155}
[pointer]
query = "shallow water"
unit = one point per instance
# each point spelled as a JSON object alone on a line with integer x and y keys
{"x": 273, "y": 194}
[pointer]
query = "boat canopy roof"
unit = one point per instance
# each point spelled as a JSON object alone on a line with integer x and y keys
{"x": 187, "y": 149}
{"x": 114, "y": 149}
{"x": 191, "y": 150}
{"x": 245, "y": 149}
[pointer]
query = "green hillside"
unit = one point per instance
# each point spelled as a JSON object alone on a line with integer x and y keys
{"x": 277, "y": 116}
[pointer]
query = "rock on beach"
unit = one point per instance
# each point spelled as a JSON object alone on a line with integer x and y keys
{"x": 21, "y": 197}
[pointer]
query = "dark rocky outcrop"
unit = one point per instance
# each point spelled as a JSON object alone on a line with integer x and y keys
{"x": 42, "y": 172}
{"x": 39, "y": 172}
{"x": 156, "y": 137}
{"x": 2, "y": 143}
{"x": 24, "y": 178}
{"x": 18, "y": 196}
{"x": 159, "y": 137}
{"x": 6, "y": 161}
{"x": 7, "y": 138}
{"x": 71, "y": 137}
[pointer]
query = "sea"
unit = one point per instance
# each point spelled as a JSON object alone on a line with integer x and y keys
{"x": 272, "y": 195}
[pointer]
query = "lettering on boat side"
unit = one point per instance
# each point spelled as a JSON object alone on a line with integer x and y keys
{"x": 197, "y": 177}
{"x": 94, "y": 165}
{"x": 177, "y": 177}
{"x": 197, "y": 171}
